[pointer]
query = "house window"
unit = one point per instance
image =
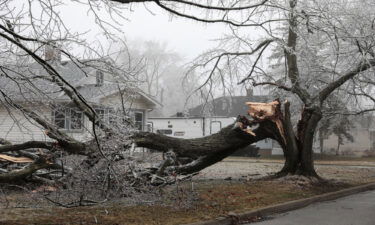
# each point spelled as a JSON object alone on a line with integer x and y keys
{"x": 99, "y": 78}
{"x": 179, "y": 133}
{"x": 150, "y": 127}
{"x": 164, "y": 131}
{"x": 107, "y": 115}
{"x": 138, "y": 120}
{"x": 76, "y": 119}
{"x": 100, "y": 113}
{"x": 59, "y": 119}
{"x": 68, "y": 119}
{"x": 112, "y": 117}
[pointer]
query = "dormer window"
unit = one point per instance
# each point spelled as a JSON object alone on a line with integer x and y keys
{"x": 99, "y": 78}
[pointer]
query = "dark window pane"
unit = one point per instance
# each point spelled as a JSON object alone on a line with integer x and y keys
{"x": 76, "y": 120}
{"x": 164, "y": 131}
{"x": 138, "y": 116}
{"x": 99, "y": 78}
{"x": 112, "y": 117}
{"x": 100, "y": 113}
{"x": 138, "y": 120}
{"x": 59, "y": 118}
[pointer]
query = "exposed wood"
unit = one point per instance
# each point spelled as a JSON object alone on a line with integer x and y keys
{"x": 17, "y": 175}
{"x": 267, "y": 111}
{"x": 15, "y": 159}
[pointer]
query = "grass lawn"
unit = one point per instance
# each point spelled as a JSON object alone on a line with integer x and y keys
{"x": 213, "y": 199}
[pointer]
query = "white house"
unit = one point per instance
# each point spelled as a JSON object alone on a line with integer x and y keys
{"x": 113, "y": 101}
{"x": 188, "y": 127}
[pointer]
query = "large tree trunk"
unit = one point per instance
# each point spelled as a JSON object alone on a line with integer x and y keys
{"x": 208, "y": 150}
{"x": 298, "y": 149}
{"x": 272, "y": 123}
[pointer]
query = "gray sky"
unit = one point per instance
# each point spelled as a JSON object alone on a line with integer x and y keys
{"x": 187, "y": 37}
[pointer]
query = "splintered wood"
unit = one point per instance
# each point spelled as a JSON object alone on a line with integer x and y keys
{"x": 15, "y": 159}
{"x": 266, "y": 111}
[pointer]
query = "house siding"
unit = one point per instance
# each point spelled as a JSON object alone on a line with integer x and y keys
{"x": 16, "y": 128}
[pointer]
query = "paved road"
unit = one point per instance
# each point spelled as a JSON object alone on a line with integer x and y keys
{"x": 356, "y": 209}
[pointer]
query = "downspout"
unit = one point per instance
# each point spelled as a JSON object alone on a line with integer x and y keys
{"x": 204, "y": 126}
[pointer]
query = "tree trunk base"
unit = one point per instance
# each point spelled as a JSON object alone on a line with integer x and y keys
{"x": 298, "y": 172}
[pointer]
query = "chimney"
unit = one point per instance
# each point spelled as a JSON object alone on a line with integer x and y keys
{"x": 249, "y": 92}
{"x": 52, "y": 53}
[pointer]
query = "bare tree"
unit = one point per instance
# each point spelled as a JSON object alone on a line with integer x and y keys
{"x": 324, "y": 49}
{"x": 323, "y": 46}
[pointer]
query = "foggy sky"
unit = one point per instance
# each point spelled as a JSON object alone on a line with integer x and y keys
{"x": 187, "y": 37}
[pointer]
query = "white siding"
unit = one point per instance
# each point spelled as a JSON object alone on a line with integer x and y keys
{"x": 15, "y": 127}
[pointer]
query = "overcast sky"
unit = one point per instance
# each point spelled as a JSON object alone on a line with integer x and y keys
{"x": 187, "y": 37}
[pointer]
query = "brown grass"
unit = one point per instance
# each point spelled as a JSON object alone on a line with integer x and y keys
{"x": 214, "y": 199}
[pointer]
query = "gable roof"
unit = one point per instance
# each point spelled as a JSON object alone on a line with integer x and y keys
{"x": 26, "y": 83}
{"x": 228, "y": 106}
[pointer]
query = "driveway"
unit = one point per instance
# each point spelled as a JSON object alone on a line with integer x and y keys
{"x": 358, "y": 209}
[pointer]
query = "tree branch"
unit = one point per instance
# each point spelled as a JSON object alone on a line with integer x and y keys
{"x": 27, "y": 145}
{"x": 363, "y": 66}
{"x": 16, "y": 175}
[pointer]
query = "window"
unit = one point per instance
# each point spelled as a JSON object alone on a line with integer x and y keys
{"x": 112, "y": 117}
{"x": 150, "y": 127}
{"x": 138, "y": 120}
{"x": 164, "y": 131}
{"x": 179, "y": 133}
{"x": 76, "y": 119}
{"x": 99, "y": 78}
{"x": 100, "y": 113}
{"x": 68, "y": 119}
{"x": 59, "y": 119}
{"x": 107, "y": 115}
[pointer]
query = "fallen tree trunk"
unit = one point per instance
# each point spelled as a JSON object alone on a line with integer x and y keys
{"x": 206, "y": 151}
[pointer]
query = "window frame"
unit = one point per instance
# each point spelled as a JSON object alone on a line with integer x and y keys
{"x": 99, "y": 78}
{"x": 141, "y": 121}
{"x": 67, "y": 112}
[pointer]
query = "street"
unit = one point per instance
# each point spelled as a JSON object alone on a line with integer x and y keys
{"x": 358, "y": 209}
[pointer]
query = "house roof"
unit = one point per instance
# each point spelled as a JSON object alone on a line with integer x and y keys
{"x": 228, "y": 106}
{"x": 26, "y": 83}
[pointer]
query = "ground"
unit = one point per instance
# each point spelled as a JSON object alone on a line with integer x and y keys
{"x": 229, "y": 186}
{"x": 351, "y": 170}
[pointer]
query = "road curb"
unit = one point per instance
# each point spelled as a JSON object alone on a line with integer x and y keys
{"x": 234, "y": 218}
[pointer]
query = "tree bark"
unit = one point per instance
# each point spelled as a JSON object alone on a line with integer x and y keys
{"x": 208, "y": 150}
{"x": 298, "y": 149}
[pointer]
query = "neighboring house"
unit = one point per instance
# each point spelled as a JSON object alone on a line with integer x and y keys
{"x": 108, "y": 97}
{"x": 364, "y": 139}
{"x": 188, "y": 127}
{"x": 228, "y": 106}
{"x": 210, "y": 118}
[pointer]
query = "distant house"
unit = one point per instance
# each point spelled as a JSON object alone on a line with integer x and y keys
{"x": 188, "y": 127}
{"x": 228, "y": 106}
{"x": 94, "y": 83}
{"x": 209, "y": 118}
{"x": 364, "y": 139}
